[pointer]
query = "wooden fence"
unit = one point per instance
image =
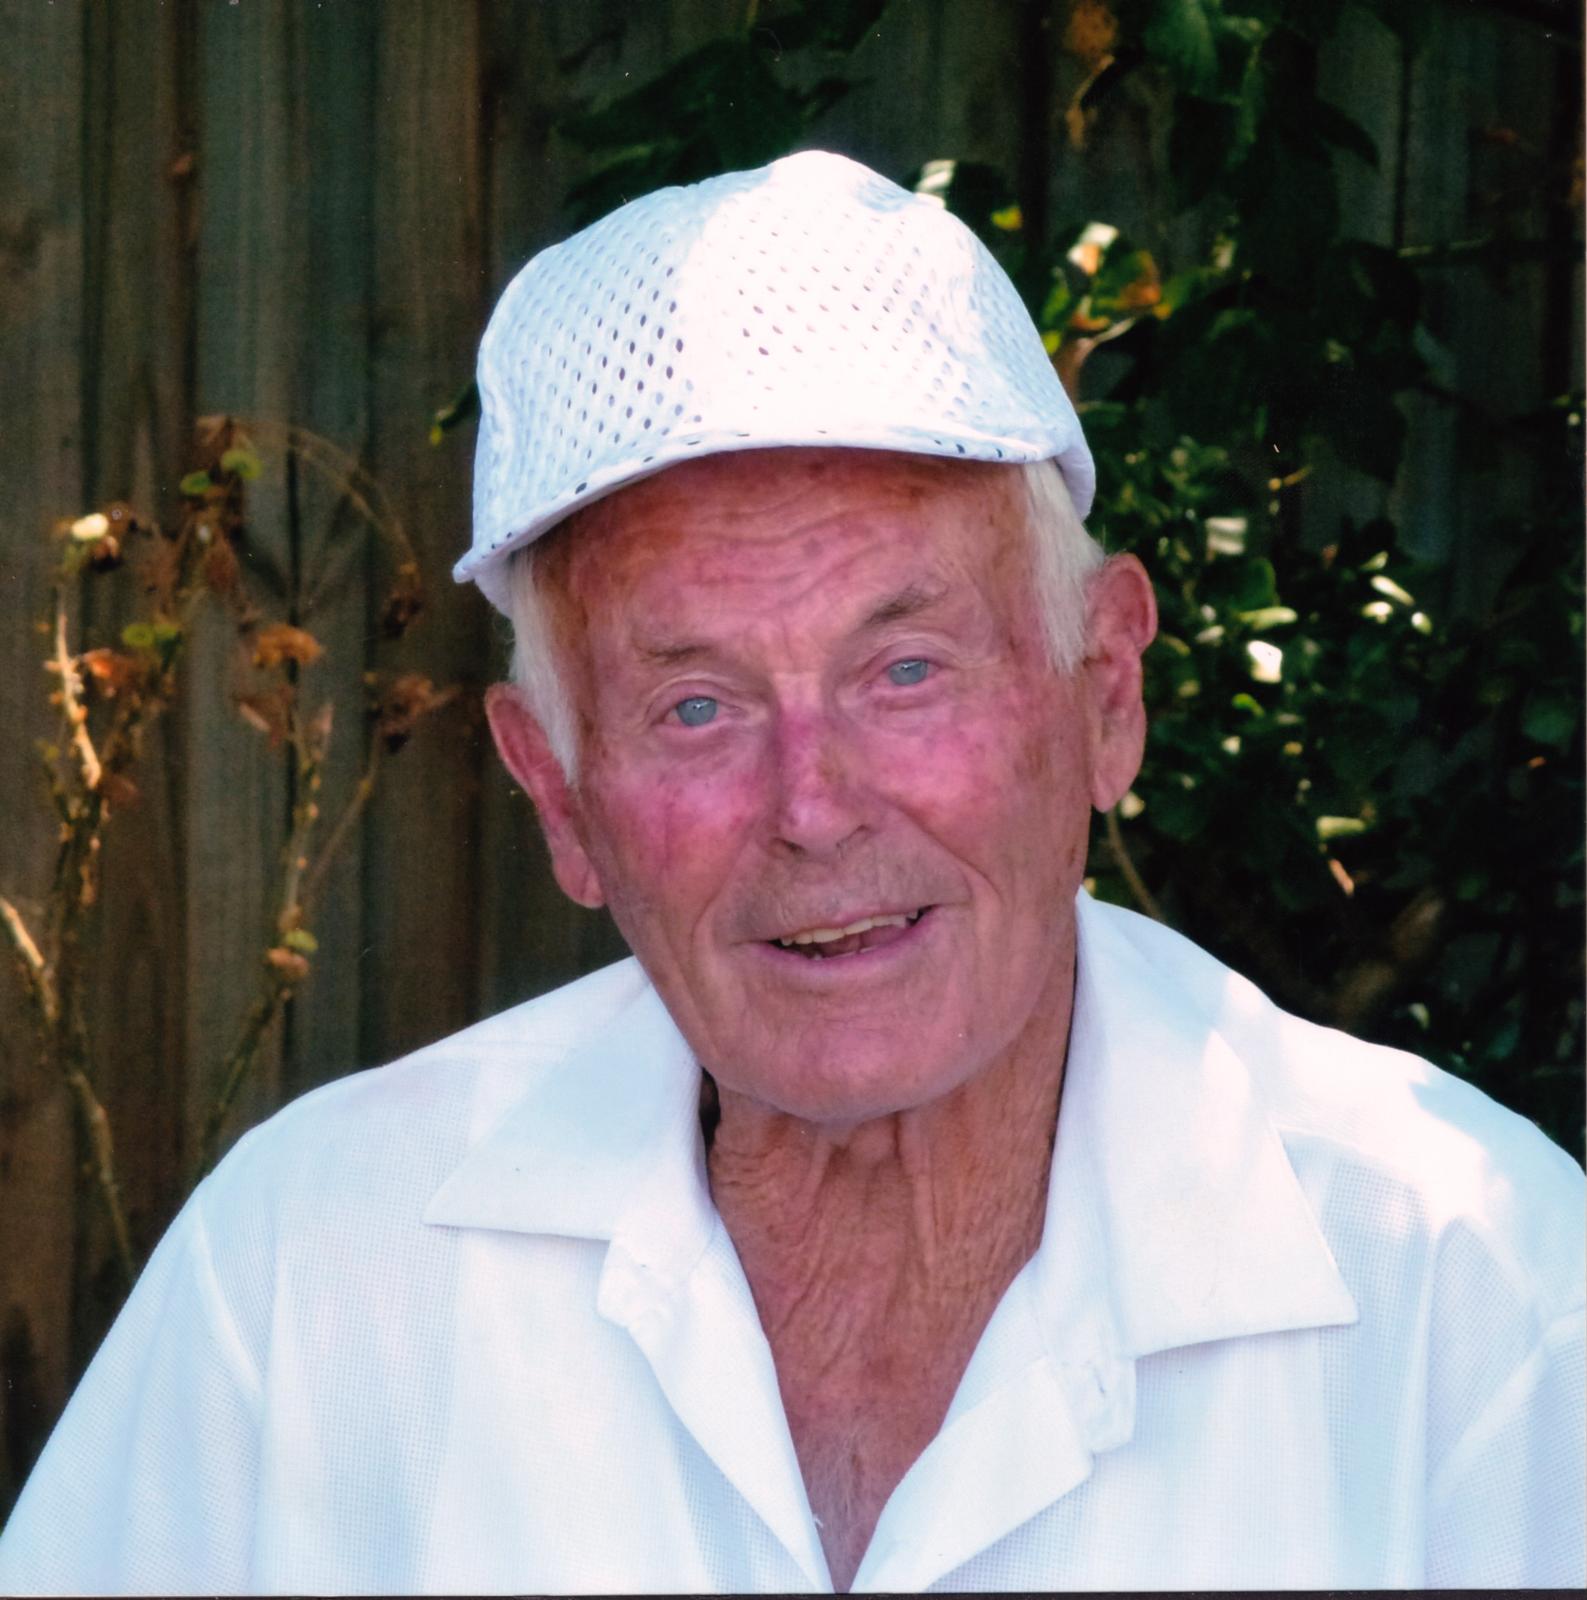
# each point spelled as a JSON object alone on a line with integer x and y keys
{"x": 301, "y": 212}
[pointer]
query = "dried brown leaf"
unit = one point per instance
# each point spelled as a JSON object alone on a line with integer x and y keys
{"x": 221, "y": 568}
{"x": 405, "y": 602}
{"x": 119, "y": 791}
{"x": 288, "y": 963}
{"x": 1071, "y": 357}
{"x": 270, "y": 711}
{"x": 319, "y": 729}
{"x": 405, "y": 702}
{"x": 279, "y": 642}
{"x": 160, "y": 571}
{"x": 111, "y": 671}
{"x": 124, "y": 519}
{"x": 1091, "y": 32}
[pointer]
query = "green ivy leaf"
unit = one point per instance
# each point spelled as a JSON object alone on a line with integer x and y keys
{"x": 1343, "y": 132}
{"x": 243, "y": 462}
{"x": 1257, "y": 587}
{"x": 1182, "y": 35}
{"x": 464, "y": 408}
{"x": 1549, "y": 718}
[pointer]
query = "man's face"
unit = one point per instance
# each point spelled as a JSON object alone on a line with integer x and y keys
{"x": 814, "y": 696}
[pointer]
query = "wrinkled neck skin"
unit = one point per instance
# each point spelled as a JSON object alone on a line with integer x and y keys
{"x": 877, "y": 1252}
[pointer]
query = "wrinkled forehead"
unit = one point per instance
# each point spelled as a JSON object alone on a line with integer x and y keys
{"x": 768, "y": 510}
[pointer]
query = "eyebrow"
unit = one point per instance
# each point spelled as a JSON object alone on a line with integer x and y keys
{"x": 907, "y": 602}
{"x": 671, "y": 655}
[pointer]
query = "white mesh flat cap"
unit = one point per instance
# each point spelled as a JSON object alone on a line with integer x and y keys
{"x": 809, "y": 302}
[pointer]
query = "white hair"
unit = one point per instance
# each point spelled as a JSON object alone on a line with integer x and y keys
{"x": 1063, "y": 557}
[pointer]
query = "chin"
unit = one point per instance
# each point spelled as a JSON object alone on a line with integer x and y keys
{"x": 847, "y": 1083}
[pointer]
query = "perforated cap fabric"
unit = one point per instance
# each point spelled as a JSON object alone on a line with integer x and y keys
{"x": 809, "y": 302}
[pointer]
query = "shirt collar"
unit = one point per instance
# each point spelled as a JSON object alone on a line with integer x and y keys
{"x": 1173, "y": 1212}
{"x": 600, "y": 1144}
{"x": 1167, "y": 1151}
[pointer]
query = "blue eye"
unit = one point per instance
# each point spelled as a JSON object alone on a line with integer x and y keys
{"x": 696, "y": 711}
{"x": 905, "y": 673}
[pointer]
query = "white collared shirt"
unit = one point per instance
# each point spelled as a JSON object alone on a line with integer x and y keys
{"x": 1306, "y": 1313}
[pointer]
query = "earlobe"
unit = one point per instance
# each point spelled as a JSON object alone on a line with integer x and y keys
{"x": 526, "y": 753}
{"x": 1123, "y": 622}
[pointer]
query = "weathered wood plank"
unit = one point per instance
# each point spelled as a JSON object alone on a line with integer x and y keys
{"x": 1362, "y": 70}
{"x": 41, "y": 88}
{"x": 136, "y": 409}
{"x": 423, "y": 880}
{"x": 1481, "y": 116}
{"x": 937, "y": 81}
{"x": 249, "y": 325}
{"x": 336, "y": 566}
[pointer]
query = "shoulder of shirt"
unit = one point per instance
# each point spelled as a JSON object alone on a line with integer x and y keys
{"x": 388, "y": 1135}
{"x": 1339, "y": 1102}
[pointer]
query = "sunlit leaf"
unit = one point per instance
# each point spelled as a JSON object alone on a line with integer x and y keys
{"x": 1266, "y": 617}
{"x": 1339, "y": 827}
{"x": 90, "y": 529}
{"x": 1393, "y": 590}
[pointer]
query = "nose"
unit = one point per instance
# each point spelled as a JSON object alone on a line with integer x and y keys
{"x": 822, "y": 791}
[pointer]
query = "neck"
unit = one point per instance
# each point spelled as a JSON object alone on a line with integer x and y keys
{"x": 876, "y": 1254}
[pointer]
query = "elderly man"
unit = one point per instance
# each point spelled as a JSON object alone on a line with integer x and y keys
{"x": 899, "y": 1216}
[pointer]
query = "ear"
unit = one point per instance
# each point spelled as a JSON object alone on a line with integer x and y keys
{"x": 521, "y": 743}
{"x": 1122, "y": 621}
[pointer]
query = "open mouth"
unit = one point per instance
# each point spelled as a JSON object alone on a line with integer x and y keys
{"x": 867, "y": 933}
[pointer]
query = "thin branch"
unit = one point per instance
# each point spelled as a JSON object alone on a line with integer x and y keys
{"x": 57, "y": 1041}
{"x": 1496, "y": 248}
{"x": 305, "y": 813}
{"x": 279, "y": 982}
{"x": 1121, "y": 857}
{"x": 97, "y": 1126}
{"x": 49, "y": 760}
{"x": 235, "y": 1067}
{"x": 64, "y": 664}
{"x": 343, "y": 472}
{"x": 343, "y": 828}
{"x": 41, "y": 985}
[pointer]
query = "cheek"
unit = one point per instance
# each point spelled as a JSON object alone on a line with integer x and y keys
{"x": 1017, "y": 750}
{"x": 666, "y": 835}
{"x": 1006, "y": 790}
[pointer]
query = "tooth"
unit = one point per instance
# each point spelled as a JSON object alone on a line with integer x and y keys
{"x": 864, "y": 925}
